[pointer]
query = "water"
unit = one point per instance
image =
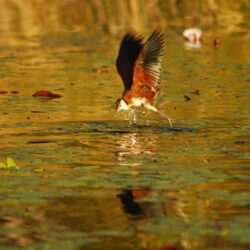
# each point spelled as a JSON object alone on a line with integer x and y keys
{"x": 87, "y": 179}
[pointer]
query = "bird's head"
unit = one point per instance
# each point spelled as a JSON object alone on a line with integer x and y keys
{"x": 121, "y": 104}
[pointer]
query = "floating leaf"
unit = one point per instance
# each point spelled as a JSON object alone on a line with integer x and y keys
{"x": 187, "y": 98}
{"x": 14, "y": 92}
{"x": 46, "y": 94}
{"x": 10, "y": 163}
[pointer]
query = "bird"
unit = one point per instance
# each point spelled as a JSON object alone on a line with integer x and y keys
{"x": 193, "y": 38}
{"x": 193, "y": 35}
{"x": 139, "y": 66}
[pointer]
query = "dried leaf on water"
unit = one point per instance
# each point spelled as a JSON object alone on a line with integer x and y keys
{"x": 46, "y": 94}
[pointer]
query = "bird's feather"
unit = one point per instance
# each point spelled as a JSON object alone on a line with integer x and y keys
{"x": 147, "y": 67}
{"x": 130, "y": 49}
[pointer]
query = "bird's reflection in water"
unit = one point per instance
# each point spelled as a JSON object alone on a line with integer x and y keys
{"x": 141, "y": 210}
{"x": 135, "y": 143}
{"x": 192, "y": 45}
{"x": 129, "y": 205}
{"x": 141, "y": 145}
{"x": 148, "y": 205}
{"x": 152, "y": 213}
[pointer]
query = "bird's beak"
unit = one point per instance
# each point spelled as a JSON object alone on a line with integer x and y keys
{"x": 119, "y": 108}
{"x": 118, "y": 104}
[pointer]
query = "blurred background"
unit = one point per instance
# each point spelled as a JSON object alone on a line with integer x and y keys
{"x": 32, "y": 17}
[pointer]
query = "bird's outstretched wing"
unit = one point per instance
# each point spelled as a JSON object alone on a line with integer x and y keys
{"x": 130, "y": 49}
{"x": 147, "y": 67}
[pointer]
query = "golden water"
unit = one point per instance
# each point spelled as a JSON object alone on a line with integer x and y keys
{"x": 87, "y": 179}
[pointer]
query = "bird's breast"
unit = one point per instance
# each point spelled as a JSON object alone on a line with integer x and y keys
{"x": 139, "y": 101}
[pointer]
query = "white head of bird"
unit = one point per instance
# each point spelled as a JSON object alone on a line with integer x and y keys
{"x": 121, "y": 105}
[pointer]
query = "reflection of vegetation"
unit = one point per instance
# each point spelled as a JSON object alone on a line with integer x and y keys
{"x": 109, "y": 15}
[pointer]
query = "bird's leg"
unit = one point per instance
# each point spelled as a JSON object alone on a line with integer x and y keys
{"x": 132, "y": 116}
{"x": 167, "y": 117}
{"x": 147, "y": 120}
{"x": 151, "y": 107}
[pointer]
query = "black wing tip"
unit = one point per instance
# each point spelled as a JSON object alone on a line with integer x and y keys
{"x": 132, "y": 34}
{"x": 130, "y": 48}
{"x": 130, "y": 39}
{"x": 158, "y": 32}
{"x": 157, "y": 35}
{"x": 153, "y": 50}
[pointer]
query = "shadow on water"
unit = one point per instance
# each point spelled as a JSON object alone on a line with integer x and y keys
{"x": 106, "y": 127}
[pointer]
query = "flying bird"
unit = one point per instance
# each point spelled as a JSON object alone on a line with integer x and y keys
{"x": 139, "y": 65}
